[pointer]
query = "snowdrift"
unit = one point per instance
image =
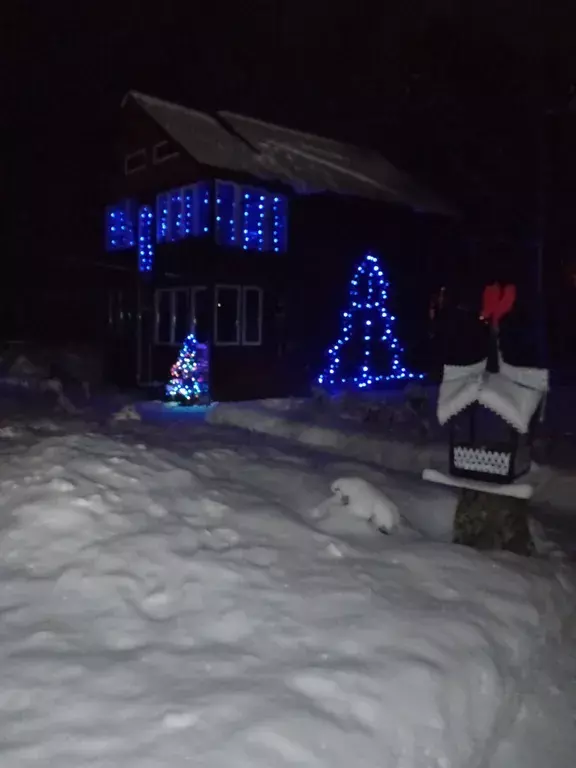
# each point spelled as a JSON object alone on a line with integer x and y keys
{"x": 157, "y": 611}
{"x": 300, "y": 421}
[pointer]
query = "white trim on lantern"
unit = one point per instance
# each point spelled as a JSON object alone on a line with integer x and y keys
{"x": 518, "y": 490}
{"x": 514, "y": 393}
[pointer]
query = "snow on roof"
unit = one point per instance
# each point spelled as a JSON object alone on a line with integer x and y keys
{"x": 325, "y": 165}
{"x": 309, "y": 164}
{"x": 201, "y": 135}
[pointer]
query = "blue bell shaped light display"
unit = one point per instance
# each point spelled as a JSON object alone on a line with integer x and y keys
{"x": 366, "y": 325}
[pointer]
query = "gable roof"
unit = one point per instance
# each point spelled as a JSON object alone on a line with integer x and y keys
{"x": 309, "y": 164}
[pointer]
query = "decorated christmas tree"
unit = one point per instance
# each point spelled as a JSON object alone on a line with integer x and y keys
{"x": 368, "y": 351}
{"x": 189, "y": 374}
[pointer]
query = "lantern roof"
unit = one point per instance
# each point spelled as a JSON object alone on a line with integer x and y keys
{"x": 513, "y": 393}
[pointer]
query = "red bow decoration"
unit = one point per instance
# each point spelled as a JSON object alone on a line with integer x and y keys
{"x": 497, "y": 301}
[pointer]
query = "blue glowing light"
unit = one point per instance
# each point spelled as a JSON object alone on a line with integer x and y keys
{"x": 176, "y": 216}
{"x": 203, "y": 192}
{"x": 190, "y": 216}
{"x": 367, "y": 311}
{"x": 120, "y": 226}
{"x": 183, "y": 212}
{"x": 244, "y": 217}
{"x": 278, "y": 224}
{"x": 189, "y": 374}
{"x": 162, "y": 217}
{"x": 226, "y": 213}
{"x": 145, "y": 239}
{"x": 253, "y": 218}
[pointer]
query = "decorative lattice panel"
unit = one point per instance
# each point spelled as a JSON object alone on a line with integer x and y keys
{"x": 482, "y": 460}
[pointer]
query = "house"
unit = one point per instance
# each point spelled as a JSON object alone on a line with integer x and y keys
{"x": 246, "y": 232}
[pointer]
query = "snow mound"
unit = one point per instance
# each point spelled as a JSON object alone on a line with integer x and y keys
{"x": 155, "y": 610}
{"x": 357, "y": 439}
{"x": 367, "y": 502}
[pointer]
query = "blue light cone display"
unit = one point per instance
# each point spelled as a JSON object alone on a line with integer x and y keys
{"x": 366, "y": 324}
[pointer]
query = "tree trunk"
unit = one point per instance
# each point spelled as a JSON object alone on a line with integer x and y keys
{"x": 488, "y": 521}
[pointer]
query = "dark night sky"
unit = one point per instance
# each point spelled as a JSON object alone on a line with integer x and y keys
{"x": 451, "y": 90}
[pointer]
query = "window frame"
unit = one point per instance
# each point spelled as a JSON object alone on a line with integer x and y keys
{"x": 194, "y": 291}
{"x": 128, "y": 157}
{"x": 118, "y": 316}
{"x": 238, "y": 289}
{"x": 158, "y": 160}
{"x": 171, "y": 291}
{"x": 260, "y": 326}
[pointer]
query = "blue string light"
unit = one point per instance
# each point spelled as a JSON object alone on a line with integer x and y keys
{"x": 120, "y": 226}
{"x": 189, "y": 216}
{"x": 188, "y": 376}
{"x": 204, "y": 208}
{"x": 246, "y": 217}
{"x": 226, "y": 213}
{"x": 367, "y": 316}
{"x": 162, "y": 214}
{"x": 145, "y": 239}
{"x": 279, "y": 216}
{"x": 176, "y": 218}
{"x": 253, "y": 214}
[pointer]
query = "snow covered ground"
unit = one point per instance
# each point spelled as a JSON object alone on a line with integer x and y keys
{"x": 175, "y": 593}
{"x": 389, "y": 433}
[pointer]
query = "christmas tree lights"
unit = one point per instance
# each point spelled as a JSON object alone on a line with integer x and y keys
{"x": 367, "y": 329}
{"x": 189, "y": 375}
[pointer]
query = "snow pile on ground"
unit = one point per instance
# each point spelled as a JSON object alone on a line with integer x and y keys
{"x": 392, "y": 447}
{"x": 161, "y": 610}
{"x": 328, "y": 430}
{"x": 68, "y": 375}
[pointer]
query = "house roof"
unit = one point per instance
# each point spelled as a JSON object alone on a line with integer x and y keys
{"x": 309, "y": 164}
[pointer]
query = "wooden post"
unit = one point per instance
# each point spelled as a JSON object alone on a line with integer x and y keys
{"x": 488, "y": 521}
